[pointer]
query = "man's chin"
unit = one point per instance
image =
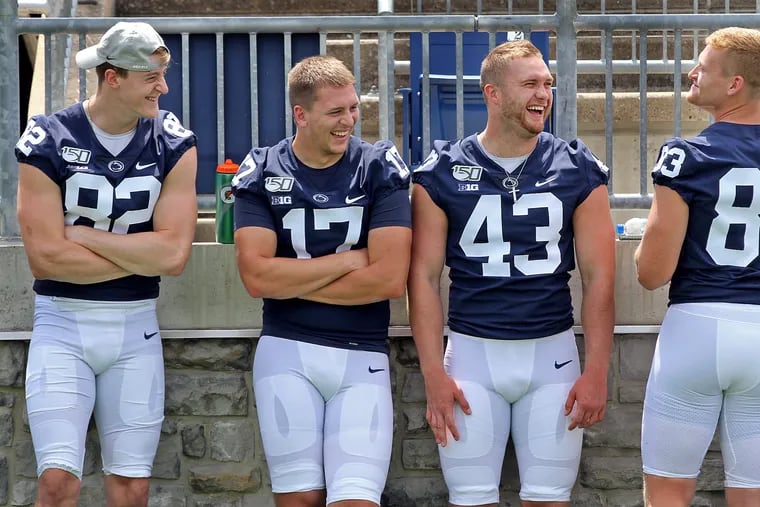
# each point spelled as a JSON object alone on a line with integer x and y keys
{"x": 534, "y": 130}
{"x": 692, "y": 99}
{"x": 150, "y": 112}
{"x": 339, "y": 149}
{"x": 533, "y": 126}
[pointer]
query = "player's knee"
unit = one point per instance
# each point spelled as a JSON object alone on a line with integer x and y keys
{"x": 57, "y": 487}
{"x": 312, "y": 498}
{"x": 126, "y": 491}
{"x": 353, "y": 503}
{"x": 138, "y": 488}
{"x": 660, "y": 491}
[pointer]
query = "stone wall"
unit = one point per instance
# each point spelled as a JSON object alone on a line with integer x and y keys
{"x": 210, "y": 452}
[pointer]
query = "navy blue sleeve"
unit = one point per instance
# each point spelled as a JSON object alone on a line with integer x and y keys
{"x": 424, "y": 174}
{"x": 387, "y": 168}
{"x": 393, "y": 209}
{"x": 673, "y": 168}
{"x": 252, "y": 210}
{"x": 594, "y": 170}
{"x": 37, "y": 147}
{"x": 391, "y": 178}
{"x": 175, "y": 138}
{"x": 251, "y": 207}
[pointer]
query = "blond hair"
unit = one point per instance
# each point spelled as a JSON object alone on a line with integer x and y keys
{"x": 311, "y": 74}
{"x": 492, "y": 68}
{"x": 743, "y": 53}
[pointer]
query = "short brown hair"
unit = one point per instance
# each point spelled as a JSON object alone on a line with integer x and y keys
{"x": 101, "y": 69}
{"x": 311, "y": 74}
{"x": 743, "y": 51}
{"x": 492, "y": 68}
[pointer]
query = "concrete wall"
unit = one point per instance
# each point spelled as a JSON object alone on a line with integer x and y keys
{"x": 209, "y": 295}
{"x": 210, "y": 452}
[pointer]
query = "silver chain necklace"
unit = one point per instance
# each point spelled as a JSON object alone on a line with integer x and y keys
{"x": 512, "y": 183}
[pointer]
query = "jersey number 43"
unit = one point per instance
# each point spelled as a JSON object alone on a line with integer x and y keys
{"x": 488, "y": 212}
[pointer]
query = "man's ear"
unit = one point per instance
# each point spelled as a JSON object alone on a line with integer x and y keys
{"x": 491, "y": 93}
{"x": 299, "y": 115}
{"x": 737, "y": 85}
{"x": 111, "y": 78}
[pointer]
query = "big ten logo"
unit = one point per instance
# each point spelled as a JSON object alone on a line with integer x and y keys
{"x": 226, "y": 195}
{"x": 278, "y": 184}
{"x": 74, "y": 155}
{"x": 467, "y": 172}
{"x": 278, "y": 200}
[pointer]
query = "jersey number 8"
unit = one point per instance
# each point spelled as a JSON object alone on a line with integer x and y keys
{"x": 106, "y": 196}
{"x": 729, "y": 214}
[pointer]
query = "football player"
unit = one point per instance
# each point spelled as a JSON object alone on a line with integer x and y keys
{"x": 323, "y": 235}
{"x": 106, "y": 204}
{"x": 505, "y": 209}
{"x": 703, "y": 236}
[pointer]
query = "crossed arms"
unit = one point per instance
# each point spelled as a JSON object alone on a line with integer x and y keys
{"x": 84, "y": 255}
{"x": 353, "y": 277}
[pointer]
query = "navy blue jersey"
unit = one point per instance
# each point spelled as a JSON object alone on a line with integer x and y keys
{"x": 718, "y": 176}
{"x": 510, "y": 259}
{"x": 316, "y": 212}
{"x": 115, "y": 193}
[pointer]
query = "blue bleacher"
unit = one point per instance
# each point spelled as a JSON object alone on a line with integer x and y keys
{"x": 237, "y": 95}
{"x": 442, "y": 58}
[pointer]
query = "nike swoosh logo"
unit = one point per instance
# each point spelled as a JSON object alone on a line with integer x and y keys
{"x": 140, "y": 167}
{"x": 557, "y": 365}
{"x": 373, "y": 370}
{"x": 542, "y": 183}
{"x": 148, "y": 336}
{"x": 351, "y": 200}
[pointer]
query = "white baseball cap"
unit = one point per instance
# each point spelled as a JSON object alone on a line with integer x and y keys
{"x": 125, "y": 45}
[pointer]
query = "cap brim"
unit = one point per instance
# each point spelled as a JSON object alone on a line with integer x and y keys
{"x": 88, "y": 58}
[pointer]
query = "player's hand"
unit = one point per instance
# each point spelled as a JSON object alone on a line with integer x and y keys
{"x": 443, "y": 393}
{"x": 587, "y": 400}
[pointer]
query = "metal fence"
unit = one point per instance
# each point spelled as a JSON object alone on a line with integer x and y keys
{"x": 564, "y": 24}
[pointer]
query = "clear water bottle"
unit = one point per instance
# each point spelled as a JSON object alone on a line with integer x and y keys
{"x": 634, "y": 228}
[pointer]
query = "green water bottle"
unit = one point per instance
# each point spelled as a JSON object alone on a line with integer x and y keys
{"x": 225, "y": 231}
